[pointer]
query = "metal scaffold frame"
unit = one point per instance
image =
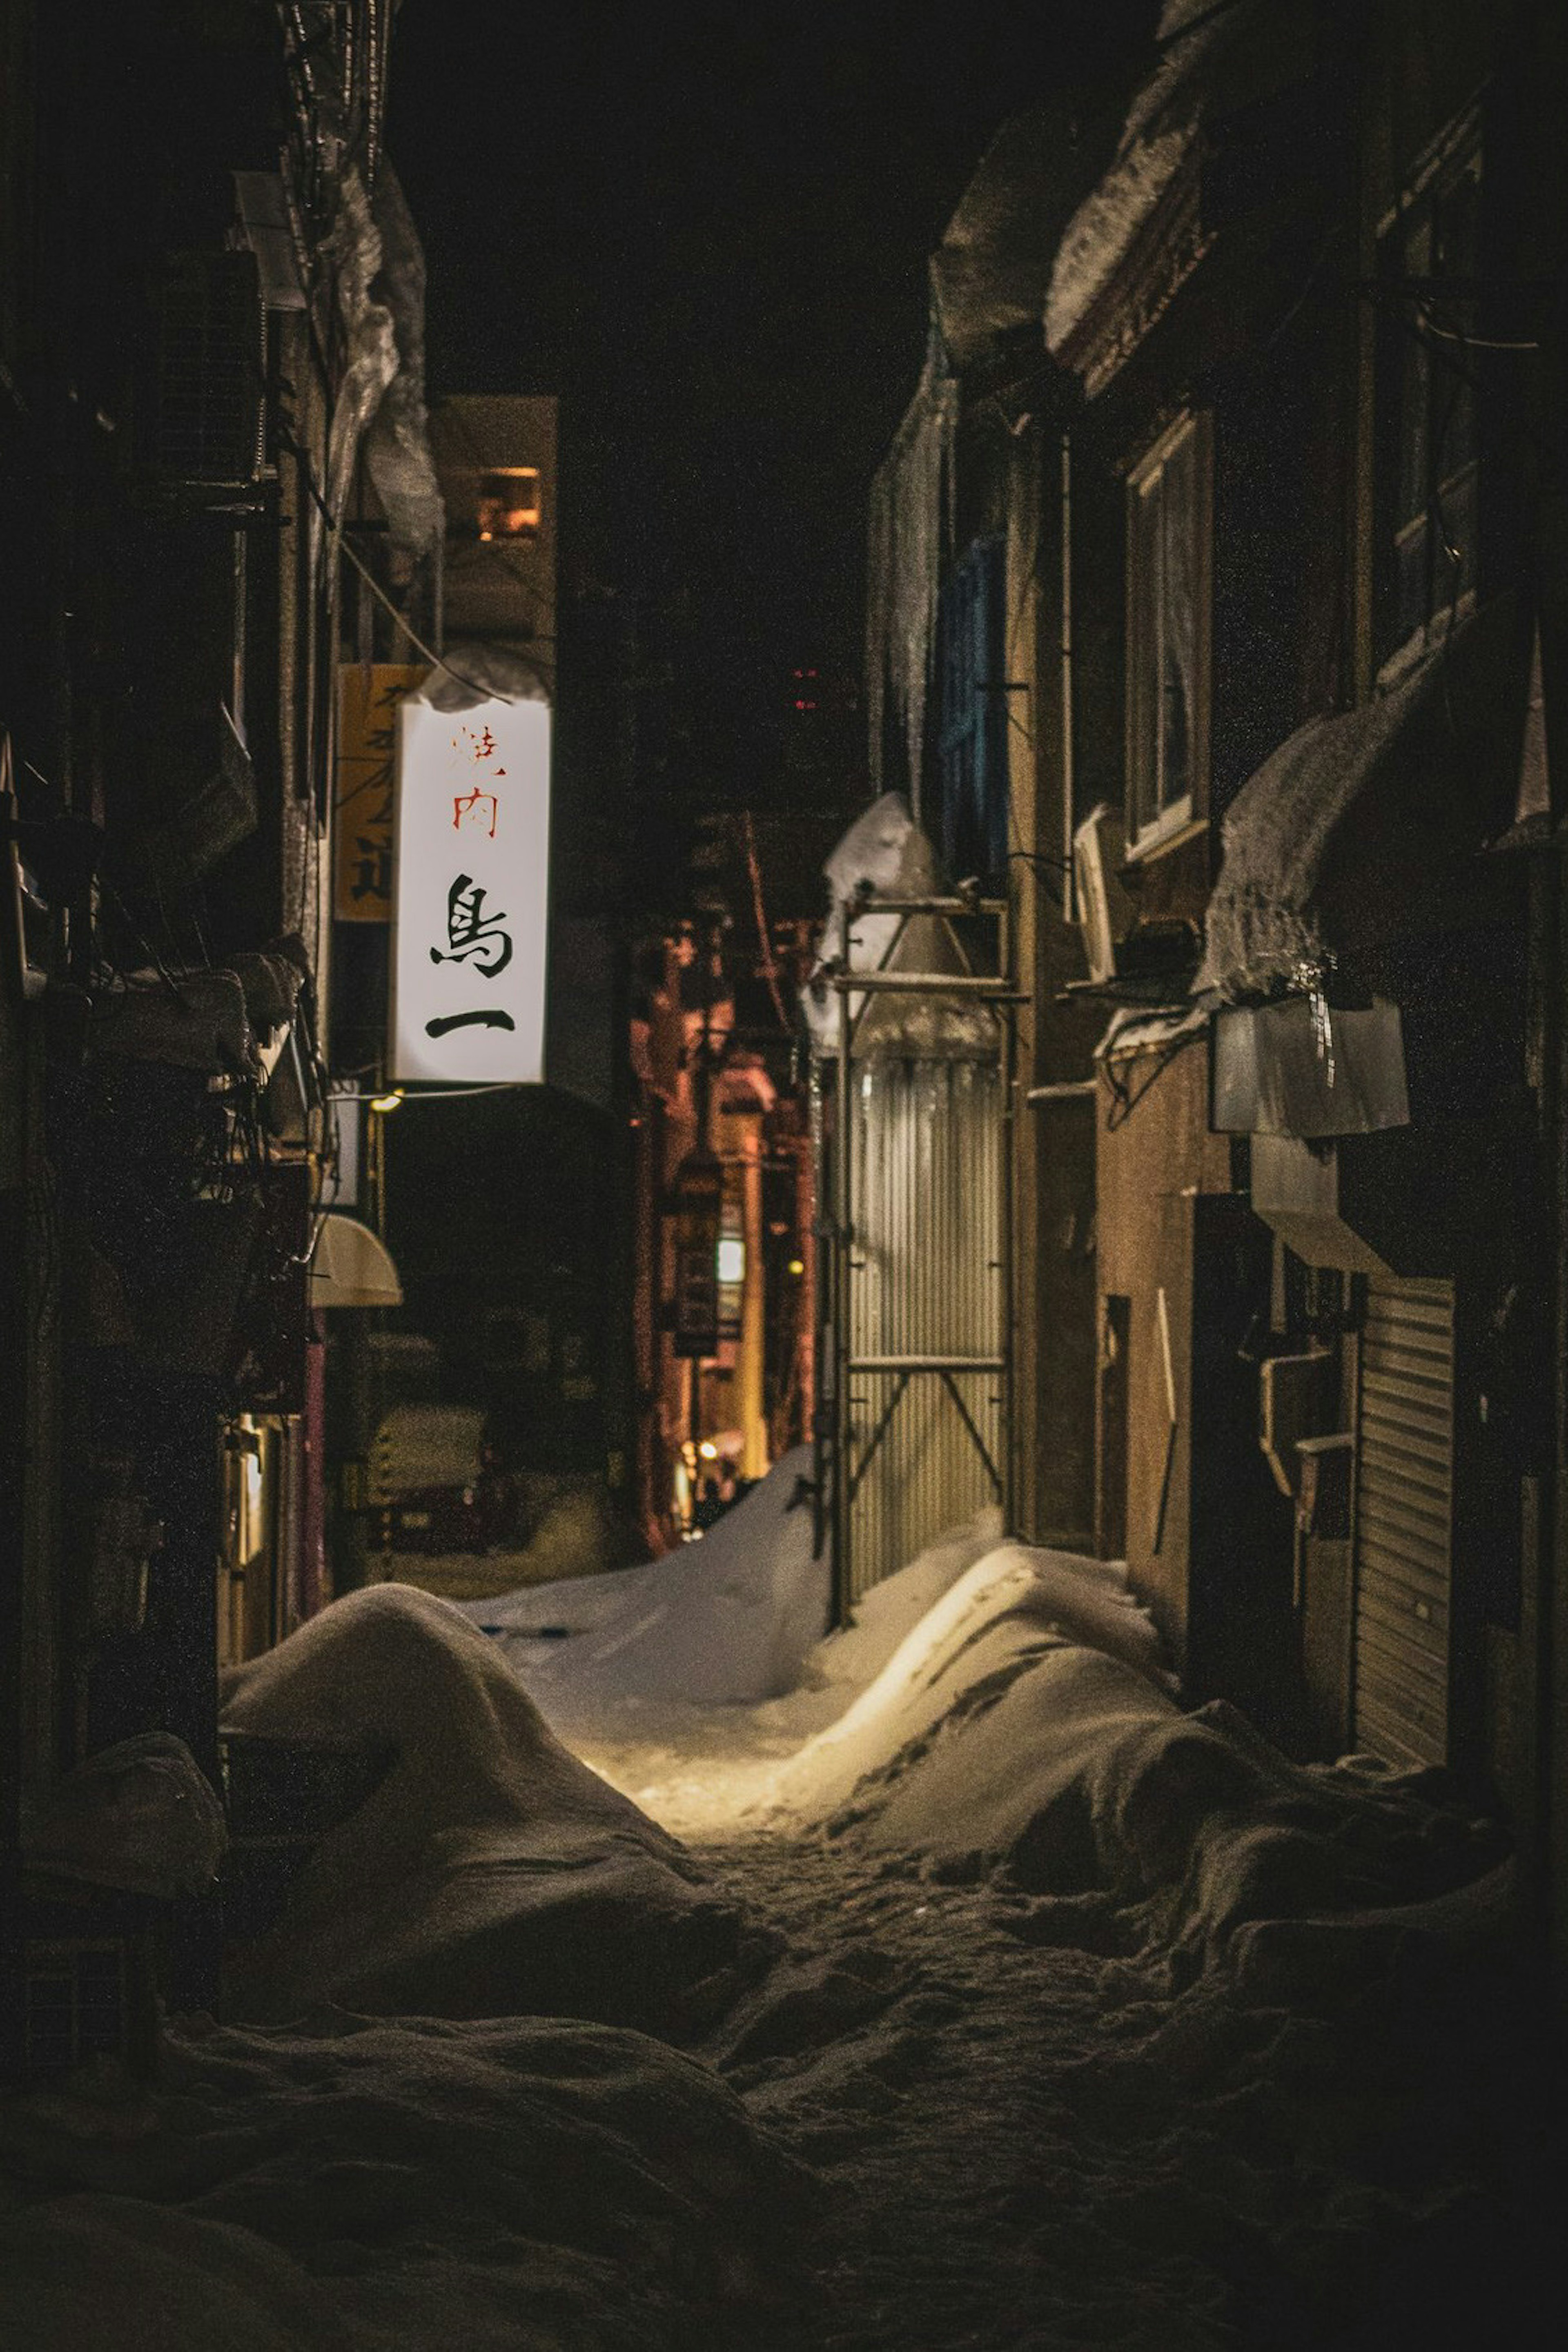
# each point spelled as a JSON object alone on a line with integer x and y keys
{"x": 997, "y": 992}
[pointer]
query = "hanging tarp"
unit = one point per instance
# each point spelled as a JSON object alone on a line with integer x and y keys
{"x": 885, "y": 855}
{"x": 1346, "y": 830}
{"x": 910, "y": 527}
{"x": 396, "y": 442}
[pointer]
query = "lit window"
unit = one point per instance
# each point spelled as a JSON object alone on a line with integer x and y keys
{"x": 731, "y": 1260}
{"x": 1167, "y": 631}
{"x": 509, "y": 505}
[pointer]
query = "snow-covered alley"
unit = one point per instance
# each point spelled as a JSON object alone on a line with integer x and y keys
{"x": 987, "y": 2000}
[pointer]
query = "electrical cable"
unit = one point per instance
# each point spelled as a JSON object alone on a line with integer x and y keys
{"x": 288, "y": 441}
{"x": 770, "y": 967}
{"x": 438, "y": 1094}
{"x": 1125, "y": 1099}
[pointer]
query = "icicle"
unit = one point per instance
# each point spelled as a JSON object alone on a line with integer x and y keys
{"x": 1313, "y": 978}
{"x": 912, "y": 526}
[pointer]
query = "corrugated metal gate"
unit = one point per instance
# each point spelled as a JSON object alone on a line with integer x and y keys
{"x": 925, "y": 1437}
{"x": 1404, "y": 1461}
{"x": 916, "y": 1335}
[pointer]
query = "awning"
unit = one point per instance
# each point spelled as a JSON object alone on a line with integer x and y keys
{"x": 351, "y": 1267}
{"x": 1361, "y": 828}
{"x": 991, "y": 271}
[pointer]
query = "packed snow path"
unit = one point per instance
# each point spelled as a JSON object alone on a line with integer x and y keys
{"x": 681, "y": 1987}
{"x": 1024, "y": 2143}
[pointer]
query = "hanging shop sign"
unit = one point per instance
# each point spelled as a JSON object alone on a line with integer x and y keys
{"x": 694, "y": 1308}
{"x": 471, "y": 893}
{"x": 369, "y": 693}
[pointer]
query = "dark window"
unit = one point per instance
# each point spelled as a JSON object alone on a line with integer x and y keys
{"x": 973, "y": 738}
{"x": 1428, "y": 454}
{"x": 1167, "y": 627}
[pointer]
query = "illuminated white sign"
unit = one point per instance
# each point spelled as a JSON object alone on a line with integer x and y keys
{"x": 731, "y": 1260}
{"x": 470, "y": 894}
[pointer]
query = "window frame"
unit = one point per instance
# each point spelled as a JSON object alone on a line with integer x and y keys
{"x": 1145, "y": 638}
{"x": 1458, "y": 153}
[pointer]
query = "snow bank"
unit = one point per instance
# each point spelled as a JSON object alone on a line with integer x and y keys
{"x": 489, "y": 1871}
{"x": 365, "y": 2184}
{"x": 1022, "y": 1730}
{"x": 704, "y": 1770}
{"x": 1005, "y": 1612}
{"x": 726, "y": 1621}
{"x": 844, "y": 1662}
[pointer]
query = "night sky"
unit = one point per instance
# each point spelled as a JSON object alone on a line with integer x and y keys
{"x": 706, "y": 229}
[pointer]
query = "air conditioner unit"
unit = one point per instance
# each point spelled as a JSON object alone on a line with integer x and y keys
{"x": 1104, "y": 911}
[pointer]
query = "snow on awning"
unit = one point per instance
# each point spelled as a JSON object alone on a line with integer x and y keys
{"x": 1207, "y": 64}
{"x": 1159, "y": 134}
{"x": 1345, "y": 825}
{"x": 350, "y": 1266}
{"x": 990, "y": 273}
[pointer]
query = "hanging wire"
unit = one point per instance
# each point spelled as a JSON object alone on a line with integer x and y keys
{"x": 400, "y": 620}
{"x": 436, "y": 1093}
{"x": 1126, "y": 1099}
{"x": 764, "y": 941}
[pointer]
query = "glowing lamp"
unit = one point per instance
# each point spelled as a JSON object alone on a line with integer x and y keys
{"x": 732, "y": 1259}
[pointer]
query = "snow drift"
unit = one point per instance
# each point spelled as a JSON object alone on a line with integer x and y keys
{"x": 725, "y": 1621}
{"x": 1024, "y": 1731}
{"x": 976, "y": 1635}
{"x": 490, "y": 1872}
{"x": 356, "y": 2186}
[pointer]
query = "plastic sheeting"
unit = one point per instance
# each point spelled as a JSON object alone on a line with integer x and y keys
{"x": 397, "y": 448}
{"x": 354, "y": 251}
{"x": 378, "y": 271}
{"x": 911, "y": 522}
{"x": 885, "y": 855}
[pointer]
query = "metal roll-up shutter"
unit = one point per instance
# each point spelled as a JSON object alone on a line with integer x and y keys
{"x": 924, "y": 1281}
{"x": 1405, "y": 1460}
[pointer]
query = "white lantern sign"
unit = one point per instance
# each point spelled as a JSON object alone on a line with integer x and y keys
{"x": 471, "y": 893}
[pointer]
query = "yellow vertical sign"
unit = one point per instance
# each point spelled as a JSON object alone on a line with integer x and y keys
{"x": 368, "y": 697}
